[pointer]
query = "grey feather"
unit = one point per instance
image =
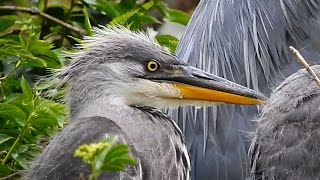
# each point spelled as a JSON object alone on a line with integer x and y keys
{"x": 101, "y": 76}
{"x": 57, "y": 160}
{"x": 287, "y": 139}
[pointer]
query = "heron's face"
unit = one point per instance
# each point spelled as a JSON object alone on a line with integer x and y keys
{"x": 132, "y": 70}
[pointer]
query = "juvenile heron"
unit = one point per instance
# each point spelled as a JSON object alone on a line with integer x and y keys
{"x": 287, "y": 140}
{"x": 245, "y": 41}
{"x": 116, "y": 79}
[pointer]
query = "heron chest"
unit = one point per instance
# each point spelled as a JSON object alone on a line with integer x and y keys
{"x": 160, "y": 143}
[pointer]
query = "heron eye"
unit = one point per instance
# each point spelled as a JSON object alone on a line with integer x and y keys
{"x": 152, "y": 65}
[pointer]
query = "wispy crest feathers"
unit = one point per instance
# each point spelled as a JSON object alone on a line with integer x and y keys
{"x": 102, "y": 39}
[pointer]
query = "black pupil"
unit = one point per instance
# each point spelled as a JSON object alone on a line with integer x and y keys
{"x": 153, "y": 65}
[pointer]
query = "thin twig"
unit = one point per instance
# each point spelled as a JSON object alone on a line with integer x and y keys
{"x": 305, "y": 64}
{"x": 44, "y": 15}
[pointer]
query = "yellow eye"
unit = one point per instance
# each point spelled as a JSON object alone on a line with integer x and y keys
{"x": 152, "y": 65}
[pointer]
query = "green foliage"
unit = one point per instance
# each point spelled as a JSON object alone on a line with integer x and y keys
{"x": 168, "y": 41}
{"x": 33, "y": 35}
{"x": 25, "y": 119}
{"x": 128, "y": 12}
{"x": 105, "y": 156}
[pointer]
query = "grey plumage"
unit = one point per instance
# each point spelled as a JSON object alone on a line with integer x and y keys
{"x": 287, "y": 139}
{"x": 115, "y": 81}
{"x": 98, "y": 107}
{"x": 57, "y": 161}
{"x": 247, "y": 42}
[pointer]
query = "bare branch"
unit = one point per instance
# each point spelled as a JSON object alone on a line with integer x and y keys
{"x": 305, "y": 64}
{"x": 44, "y": 15}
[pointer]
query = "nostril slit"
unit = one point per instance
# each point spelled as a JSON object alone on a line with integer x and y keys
{"x": 202, "y": 77}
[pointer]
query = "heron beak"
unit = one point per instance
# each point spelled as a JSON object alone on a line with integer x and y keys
{"x": 195, "y": 84}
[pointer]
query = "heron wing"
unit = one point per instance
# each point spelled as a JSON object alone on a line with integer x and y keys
{"x": 57, "y": 160}
{"x": 246, "y": 42}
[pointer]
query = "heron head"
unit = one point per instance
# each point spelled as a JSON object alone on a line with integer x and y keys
{"x": 127, "y": 68}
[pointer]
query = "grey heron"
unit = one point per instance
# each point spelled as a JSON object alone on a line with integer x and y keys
{"x": 245, "y": 41}
{"x": 115, "y": 80}
{"x": 287, "y": 139}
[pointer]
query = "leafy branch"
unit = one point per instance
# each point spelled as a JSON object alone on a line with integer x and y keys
{"x": 44, "y": 15}
{"x": 105, "y": 156}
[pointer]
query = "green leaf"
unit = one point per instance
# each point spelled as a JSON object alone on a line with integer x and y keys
{"x": 30, "y": 60}
{"x": 148, "y": 5}
{"x": 19, "y": 100}
{"x": 5, "y": 41}
{"x": 21, "y": 149}
{"x": 99, "y": 159}
{"x": 122, "y": 20}
{"x": 33, "y": 52}
{"x": 113, "y": 167}
{"x": 63, "y": 4}
{"x": 26, "y": 89}
{"x": 178, "y": 16}
{"x": 43, "y": 122}
{"x": 21, "y": 160}
{"x": 22, "y": 3}
{"x": 107, "y": 156}
{"x": 23, "y": 43}
{"x": 5, "y": 170}
{"x": 37, "y": 46}
{"x": 129, "y": 4}
{"x": 13, "y": 112}
{"x": 148, "y": 19}
{"x": 168, "y": 41}
{"x": 127, "y": 160}
{"x": 87, "y": 23}
{"x": 33, "y": 150}
{"x": 41, "y": 5}
{"x": 50, "y": 112}
{"x": 25, "y": 56}
{"x": 4, "y": 138}
{"x": 27, "y": 101}
{"x": 117, "y": 158}
{"x": 162, "y": 7}
{"x": 108, "y": 8}
{"x": 118, "y": 163}
{"x": 11, "y": 86}
{"x": 77, "y": 40}
{"x": 42, "y": 50}
{"x": 117, "y": 151}
{"x": 7, "y": 21}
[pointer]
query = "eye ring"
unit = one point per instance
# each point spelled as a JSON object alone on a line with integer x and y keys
{"x": 152, "y": 65}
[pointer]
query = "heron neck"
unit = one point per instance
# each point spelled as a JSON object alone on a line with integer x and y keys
{"x": 102, "y": 107}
